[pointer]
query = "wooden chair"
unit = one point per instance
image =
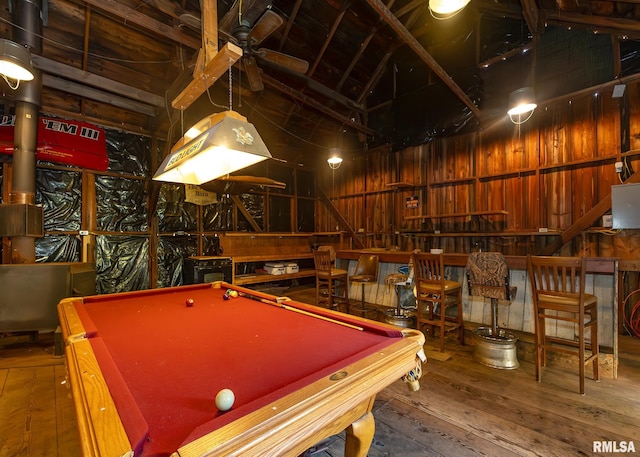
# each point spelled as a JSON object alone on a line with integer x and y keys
{"x": 366, "y": 273}
{"x": 558, "y": 288}
{"x": 326, "y": 278}
{"x": 436, "y": 297}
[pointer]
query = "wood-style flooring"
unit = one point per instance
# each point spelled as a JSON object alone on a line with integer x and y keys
{"x": 462, "y": 409}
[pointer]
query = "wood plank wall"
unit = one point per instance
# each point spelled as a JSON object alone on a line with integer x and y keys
{"x": 546, "y": 173}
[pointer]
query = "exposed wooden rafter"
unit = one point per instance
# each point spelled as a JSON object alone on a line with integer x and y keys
{"x": 410, "y": 40}
{"x": 98, "y": 82}
{"x": 619, "y": 25}
{"x": 98, "y": 95}
{"x": 157, "y": 28}
{"x": 532, "y": 16}
{"x": 272, "y": 82}
{"x": 211, "y": 63}
{"x": 209, "y": 74}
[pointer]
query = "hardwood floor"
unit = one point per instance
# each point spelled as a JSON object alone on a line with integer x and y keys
{"x": 462, "y": 409}
{"x": 36, "y": 409}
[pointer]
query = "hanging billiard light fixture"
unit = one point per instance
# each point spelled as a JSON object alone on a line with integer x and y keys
{"x": 216, "y": 146}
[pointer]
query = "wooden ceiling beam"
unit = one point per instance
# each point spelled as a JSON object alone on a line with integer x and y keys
{"x": 506, "y": 55}
{"x": 532, "y": 16}
{"x": 289, "y": 24}
{"x": 272, "y": 82}
{"x": 130, "y": 15}
{"x": 361, "y": 49}
{"x": 327, "y": 41}
{"x": 427, "y": 58}
{"x": 59, "y": 69}
{"x": 603, "y": 24}
{"x": 216, "y": 67}
{"x": 99, "y": 95}
{"x": 118, "y": 125}
{"x": 382, "y": 65}
{"x": 211, "y": 63}
{"x": 315, "y": 64}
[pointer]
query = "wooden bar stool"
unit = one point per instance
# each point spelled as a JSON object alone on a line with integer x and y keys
{"x": 435, "y": 295}
{"x": 326, "y": 278}
{"x": 558, "y": 287}
{"x": 366, "y": 273}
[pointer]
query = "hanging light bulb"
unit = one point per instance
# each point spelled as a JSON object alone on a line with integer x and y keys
{"x": 521, "y": 103}
{"x": 334, "y": 162}
{"x": 15, "y": 63}
{"x": 444, "y": 9}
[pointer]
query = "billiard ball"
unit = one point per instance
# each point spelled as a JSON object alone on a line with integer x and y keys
{"x": 189, "y": 302}
{"x": 225, "y": 399}
{"x": 225, "y": 297}
{"x": 233, "y": 293}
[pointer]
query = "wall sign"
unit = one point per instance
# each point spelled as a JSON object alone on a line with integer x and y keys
{"x": 412, "y": 202}
{"x": 62, "y": 141}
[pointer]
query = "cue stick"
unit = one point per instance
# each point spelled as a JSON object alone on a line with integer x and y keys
{"x": 301, "y": 311}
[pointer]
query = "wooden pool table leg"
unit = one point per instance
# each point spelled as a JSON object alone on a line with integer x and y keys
{"x": 359, "y": 436}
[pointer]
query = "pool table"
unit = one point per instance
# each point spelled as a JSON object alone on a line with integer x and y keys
{"x": 144, "y": 368}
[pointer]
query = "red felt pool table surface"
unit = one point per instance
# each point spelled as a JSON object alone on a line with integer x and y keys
{"x": 145, "y": 368}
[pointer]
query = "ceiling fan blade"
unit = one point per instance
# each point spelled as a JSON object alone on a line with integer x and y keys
{"x": 167, "y": 7}
{"x": 266, "y": 25}
{"x": 285, "y": 60}
{"x": 253, "y": 74}
{"x": 251, "y": 11}
{"x": 191, "y": 20}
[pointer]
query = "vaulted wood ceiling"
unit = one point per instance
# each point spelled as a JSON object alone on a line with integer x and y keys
{"x": 372, "y": 64}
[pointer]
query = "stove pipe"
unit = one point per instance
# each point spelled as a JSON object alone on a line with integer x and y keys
{"x": 27, "y": 17}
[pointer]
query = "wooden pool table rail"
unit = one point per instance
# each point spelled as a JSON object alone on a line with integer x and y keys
{"x": 286, "y": 427}
{"x": 101, "y": 430}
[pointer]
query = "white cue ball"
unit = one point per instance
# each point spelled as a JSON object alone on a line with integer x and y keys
{"x": 225, "y": 399}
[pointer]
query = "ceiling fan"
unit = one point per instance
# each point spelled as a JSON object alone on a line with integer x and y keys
{"x": 249, "y": 38}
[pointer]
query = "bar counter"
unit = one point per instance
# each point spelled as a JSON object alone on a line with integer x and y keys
{"x": 602, "y": 281}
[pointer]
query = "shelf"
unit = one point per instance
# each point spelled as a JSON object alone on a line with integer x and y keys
{"x": 473, "y": 213}
{"x": 280, "y": 234}
{"x": 451, "y": 182}
{"x": 270, "y": 258}
{"x": 601, "y": 265}
{"x": 481, "y": 234}
{"x": 506, "y": 174}
{"x": 400, "y": 185}
{"x": 261, "y": 278}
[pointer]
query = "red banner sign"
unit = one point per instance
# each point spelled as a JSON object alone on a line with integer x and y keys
{"x": 62, "y": 141}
